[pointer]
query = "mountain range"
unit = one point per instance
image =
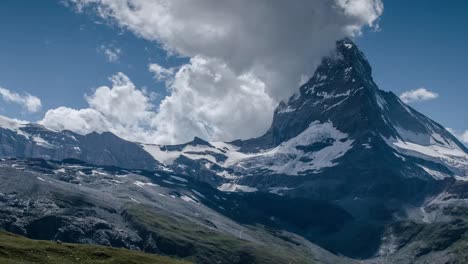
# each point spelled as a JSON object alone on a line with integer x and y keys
{"x": 346, "y": 173}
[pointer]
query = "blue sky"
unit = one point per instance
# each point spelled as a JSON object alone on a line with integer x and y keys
{"x": 57, "y": 54}
{"x": 423, "y": 44}
{"x": 53, "y": 53}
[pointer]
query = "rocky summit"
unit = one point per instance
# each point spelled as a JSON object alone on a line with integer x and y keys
{"x": 346, "y": 173}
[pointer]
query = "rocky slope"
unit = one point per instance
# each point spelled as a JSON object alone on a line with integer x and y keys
{"x": 152, "y": 211}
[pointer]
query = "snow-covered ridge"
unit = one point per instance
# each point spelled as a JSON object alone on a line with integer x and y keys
{"x": 430, "y": 142}
{"x": 433, "y": 147}
{"x": 18, "y": 127}
{"x": 452, "y": 157}
{"x": 232, "y": 187}
{"x": 11, "y": 124}
{"x": 313, "y": 150}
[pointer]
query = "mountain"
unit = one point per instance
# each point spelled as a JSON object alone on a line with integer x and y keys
{"x": 21, "y": 139}
{"x": 345, "y": 169}
{"x": 339, "y": 113}
{"x": 339, "y": 139}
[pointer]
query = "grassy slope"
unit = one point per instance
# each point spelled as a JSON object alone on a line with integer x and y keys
{"x": 431, "y": 243}
{"x": 180, "y": 237}
{"x": 18, "y": 250}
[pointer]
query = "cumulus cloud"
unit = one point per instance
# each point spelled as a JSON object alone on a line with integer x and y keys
{"x": 203, "y": 102}
{"x": 279, "y": 38}
{"x": 418, "y": 95}
{"x": 122, "y": 103}
{"x": 82, "y": 121}
{"x": 121, "y": 109}
{"x": 261, "y": 48}
{"x": 111, "y": 52}
{"x": 29, "y": 102}
{"x": 128, "y": 112}
{"x": 161, "y": 73}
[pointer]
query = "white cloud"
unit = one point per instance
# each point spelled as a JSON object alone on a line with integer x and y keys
{"x": 201, "y": 107}
{"x": 203, "y": 103}
{"x": 418, "y": 95}
{"x": 121, "y": 109}
{"x": 161, "y": 73}
{"x": 279, "y": 39}
{"x": 82, "y": 121}
{"x": 111, "y": 52}
{"x": 29, "y": 102}
{"x": 259, "y": 48}
{"x": 121, "y": 103}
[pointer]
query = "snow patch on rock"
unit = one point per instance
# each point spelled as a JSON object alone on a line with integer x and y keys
{"x": 232, "y": 187}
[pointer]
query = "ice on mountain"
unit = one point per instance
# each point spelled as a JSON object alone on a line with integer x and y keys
{"x": 42, "y": 142}
{"x": 399, "y": 156}
{"x": 134, "y": 200}
{"x": 347, "y": 72}
{"x": 179, "y": 179}
{"x": 225, "y": 174}
{"x": 348, "y": 45}
{"x": 435, "y": 174}
{"x": 116, "y": 181}
{"x": 410, "y": 136}
{"x": 188, "y": 199}
{"x": 320, "y": 78}
{"x": 143, "y": 184}
{"x": 288, "y": 109}
{"x": 452, "y": 157}
{"x": 381, "y": 102}
{"x": 167, "y": 157}
{"x": 279, "y": 190}
{"x": 461, "y": 178}
{"x": 232, "y": 187}
{"x": 288, "y": 159}
{"x": 367, "y": 146}
{"x": 168, "y": 182}
{"x": 198, "y": 193}
{"x": 61, "y": 170}
{"x": 285, "y": 158}
{"x": 163, "y": 156}
{"x": 99, "y": 173}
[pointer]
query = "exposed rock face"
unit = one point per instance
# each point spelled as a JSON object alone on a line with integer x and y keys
{"x": 35, "y": 141}
{"x": 156, "y": 212}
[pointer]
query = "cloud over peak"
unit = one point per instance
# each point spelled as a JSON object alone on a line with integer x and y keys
{"x": 418, "y": 95}
{"x": 280, "y": 39}
{"x": 260, "y": 48}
